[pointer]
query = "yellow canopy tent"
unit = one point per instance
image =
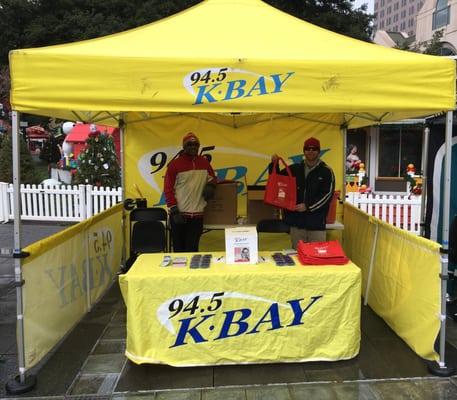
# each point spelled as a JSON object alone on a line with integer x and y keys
{"x": 236, "y": 63}
{"x": 230, "y": 56}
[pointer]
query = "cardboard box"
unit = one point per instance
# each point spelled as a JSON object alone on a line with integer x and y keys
{"x": 222, "y": 210}
{"x": 256, "y": 208}
{"x": 241, "y": 246}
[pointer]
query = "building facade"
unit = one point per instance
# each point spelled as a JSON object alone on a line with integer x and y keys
{"x": 436, "y": 15}
{"x": 396, "y": 15}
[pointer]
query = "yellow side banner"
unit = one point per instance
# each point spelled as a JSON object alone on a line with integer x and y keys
{"x": 64, "y": 275}
{"x": 406, "y": 287}
{"x": 358, "y": 239}
{"x": 231, "y": 314}
{"x": 405, "y": 284}
{"x": 240, "y": 153}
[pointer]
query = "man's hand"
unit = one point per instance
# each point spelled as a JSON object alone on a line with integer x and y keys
{"x": 274, "y": 158}
{"x": 300, "y": 207}
{"x": 176, "y": 216}
{"x": 209, "y": 191}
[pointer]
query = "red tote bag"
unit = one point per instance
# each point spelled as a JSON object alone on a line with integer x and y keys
{"x": 281, "y": 190}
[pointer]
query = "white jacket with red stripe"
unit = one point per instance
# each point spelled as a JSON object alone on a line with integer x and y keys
{"x": 185, "y": 179}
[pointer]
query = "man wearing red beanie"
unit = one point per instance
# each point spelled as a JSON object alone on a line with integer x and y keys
{"x": 315, "y": 186}
{"x": 189, "y": 182}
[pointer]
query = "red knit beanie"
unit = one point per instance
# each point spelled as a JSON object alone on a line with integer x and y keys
{"x": 312, "y": 142}
{"x": 189, "y": 137}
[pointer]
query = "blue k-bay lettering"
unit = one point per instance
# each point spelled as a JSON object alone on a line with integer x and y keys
{"x": 238, "y": 88}
{"x": 238, "y": 322}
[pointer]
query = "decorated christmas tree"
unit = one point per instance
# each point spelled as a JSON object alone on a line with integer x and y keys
{"x": 97, "y": 163}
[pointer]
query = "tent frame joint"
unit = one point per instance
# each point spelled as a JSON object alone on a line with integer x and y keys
{"x": 21, "y": 254}
{"x": 17, "y": 284}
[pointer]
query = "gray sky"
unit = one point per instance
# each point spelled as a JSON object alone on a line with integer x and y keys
{"x": 370, "y": 3}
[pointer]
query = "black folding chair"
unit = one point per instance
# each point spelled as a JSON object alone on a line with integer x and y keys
{"x": 272, "y": 226}
{"x": 148, "y": 232}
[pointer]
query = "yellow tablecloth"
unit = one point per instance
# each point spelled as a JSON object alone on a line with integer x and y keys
{"x": 234, "y": 314}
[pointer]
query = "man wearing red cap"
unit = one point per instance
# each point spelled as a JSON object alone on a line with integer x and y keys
{"x": 189, "y": 182}
{"x": 315, "y": 186}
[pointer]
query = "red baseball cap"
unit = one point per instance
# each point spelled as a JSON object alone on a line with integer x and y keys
{"x": 190, "y": 137}
{"x": 312, "y": 142}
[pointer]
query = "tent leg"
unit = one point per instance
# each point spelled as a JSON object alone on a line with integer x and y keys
{"x": 442, "y": 369}
{"x": 21, "y": 383}
{"x": 344, "y": 132}
{"x": 370, "y": 268}
{"x": 124, "y": 216}
{"x": 426, "y": 137}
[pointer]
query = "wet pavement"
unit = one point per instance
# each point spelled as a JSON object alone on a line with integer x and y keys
{"x": 90, "y": 362}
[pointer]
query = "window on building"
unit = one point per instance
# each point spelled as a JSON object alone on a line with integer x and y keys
{"x": 441, "y": 14}
{"x": 402, "y": 26}
{"x": 403, "y": 3}
{"x": 382, "y": 13}
{"x": 395, "y": 29}
{"x": 381, "y": 25}
{"x": 399, "y": 145}
{"x": 389, "y": 21}
{"x": 396, "y": 6}
{"x": 395, "y": 17}
{"x": 389, "y": 10}
{"x": 403, "y": 14}
{"x": 382, "y": 3}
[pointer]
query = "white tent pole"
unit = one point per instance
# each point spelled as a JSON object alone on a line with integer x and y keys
{"x": 344, "y": 132}
{"x": 426, "y": 137}
{"x": 20, "y": 384}
{"x": 122, "y": 160}
{"x": 447, "y": 180}
{"x": 372, "y": 260}
{"x": 17, "y": 243}
{"x": 445, "y": 232}
{"x": 442, "y": 369}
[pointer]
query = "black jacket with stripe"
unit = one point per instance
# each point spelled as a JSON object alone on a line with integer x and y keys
{"x": 316, "y": 191}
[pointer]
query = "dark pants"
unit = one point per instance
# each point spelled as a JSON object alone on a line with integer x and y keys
{"x": 186, "y": 237}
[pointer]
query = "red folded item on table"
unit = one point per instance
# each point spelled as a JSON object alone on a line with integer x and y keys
{"x": 321, "y": 253}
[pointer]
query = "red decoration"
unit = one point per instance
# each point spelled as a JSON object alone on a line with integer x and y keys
{"x": 281, "y": 191}
{"x": 94, "y": 134}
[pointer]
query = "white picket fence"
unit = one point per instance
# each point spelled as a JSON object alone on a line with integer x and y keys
{"x": 401, "y": 211}
{"x": 76, "y": 203}
{"x": 58, "y": 203}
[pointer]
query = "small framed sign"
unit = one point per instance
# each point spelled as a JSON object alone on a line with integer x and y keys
{"x": 241, "y": 245}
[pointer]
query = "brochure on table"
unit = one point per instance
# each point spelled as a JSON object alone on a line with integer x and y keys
{"x": 241, "y": 245}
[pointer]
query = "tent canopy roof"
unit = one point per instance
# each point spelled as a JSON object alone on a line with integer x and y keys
{"x": 230, "y": 56}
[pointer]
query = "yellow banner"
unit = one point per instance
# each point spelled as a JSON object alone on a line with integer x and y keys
{"x": 237, "y": 153}
{"x": 358, "y": 239}
{"x": 233, "y": 314}
{"x": 64, "y": 275}
{"x": 405, "y": 284}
